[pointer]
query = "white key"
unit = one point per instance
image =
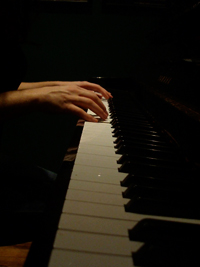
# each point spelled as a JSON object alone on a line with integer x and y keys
{"x": 96, "y": 187}
{"x": 96, "y": 160}
{"x": 95, "y": 243}
{"x": 97, "y": 210}
{"x": 97, "y": 174}
{"x": 112, "y": 212}
{"x": 98, "y": 150}
{"x": 96, "y": 197}
{"x": 97, "y": 133}
{"x": 68, "y": 258}
{"x": 96, "y": 225}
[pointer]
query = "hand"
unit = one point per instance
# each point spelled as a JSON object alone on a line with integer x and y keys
{"x": 85, "y": 85}
{"x": 73, "y": 99}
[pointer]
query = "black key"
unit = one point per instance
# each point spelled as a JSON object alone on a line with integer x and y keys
{"x": 174, "y": 194}
{"x": 156, "y": 169}
{"x": 151, "y": 160}
{"x": 170, "y": 208}
{"x": 161, "y": 231}
{"x": 175, "y": 255}
{"x": 157, "y": 182}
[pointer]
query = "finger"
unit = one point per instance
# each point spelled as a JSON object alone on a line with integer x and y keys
{"x": 95, "y": 87}
{"x": 79, "y": 112}
{"x": 86, "y": 103}
{"x": 82, "y": 93}
{"x": 94, "y": 98}
{"x": 99, "y": 95}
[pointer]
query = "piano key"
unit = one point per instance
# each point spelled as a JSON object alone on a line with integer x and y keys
{"x": 96, "y": 197}
{"x": 111, "y": 212}
{"x": 96, "y": 160}
{"x": 151, "y": 160}
{"x": 156, "y": 182}
{"x": 144, "y": 135}
{"x": 95, "y": 243}
{"x": 67, "y": 258}
{"x": 96, "y": 225}
{"x": 97, "y": 135}
{"x": 97, "y": 210}
{"x": 149, "y": 230}
{"x": 97, "y": 174}
{"x": 159, "y": 193}
{"x": 98, "y": 150}
{"x": 139, "y": 125}
{"x": 96, "y": 187}
{"x": 169, "y": 208}
{"x": 164, "y": 254}
{"x": 118, "y": 132}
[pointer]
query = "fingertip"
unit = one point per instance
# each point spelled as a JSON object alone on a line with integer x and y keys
{"x": 92, "y": 119}
{"x": 95, "y": 120}
{"x": 110, "y": 95}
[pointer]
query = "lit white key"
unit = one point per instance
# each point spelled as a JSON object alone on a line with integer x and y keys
{"x": 96, "y": 225}
{"x": 112, "y": 212}
{"x": 97, "y": 133}
{"x": 95, "y": 243}
{"x": 96, "y": 197}
{"x": 97, "y": 174}
{"x": 96, "y": 160}
{"x": 96, "y": 187}
{"x": 97, "y": 210}
{"x": 67, "y": 258}
{"x": 98, "y": 150}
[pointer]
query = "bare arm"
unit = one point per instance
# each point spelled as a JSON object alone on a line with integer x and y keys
{"x": 69, "y": 98}
{"x": 13, "y": 103}
{"x": 35, "y": 85}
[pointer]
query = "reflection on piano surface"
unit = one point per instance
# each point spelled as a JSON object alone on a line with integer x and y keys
{"x": 133, "y": 196}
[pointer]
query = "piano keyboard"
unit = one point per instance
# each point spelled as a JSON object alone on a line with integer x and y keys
{"x": 94, "y": 227}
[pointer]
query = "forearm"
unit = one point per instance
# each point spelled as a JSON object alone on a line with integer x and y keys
{"x": 35, "y": 85}
{"x": 13, "y": 103}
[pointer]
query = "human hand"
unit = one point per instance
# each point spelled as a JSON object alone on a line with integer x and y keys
{"x": 71, "y": 98}
{"x": 84, "y": 85}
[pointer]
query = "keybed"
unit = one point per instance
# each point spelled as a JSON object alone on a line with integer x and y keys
{"x": 94, "y": 226}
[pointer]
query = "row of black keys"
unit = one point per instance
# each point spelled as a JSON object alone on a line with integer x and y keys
{"x": 160, "y": 181}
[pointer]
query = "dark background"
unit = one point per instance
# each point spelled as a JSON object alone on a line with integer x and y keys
{"x": 77, "y": 43}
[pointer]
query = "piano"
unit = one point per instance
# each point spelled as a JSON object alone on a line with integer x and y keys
{"x": 132, "y": 197}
